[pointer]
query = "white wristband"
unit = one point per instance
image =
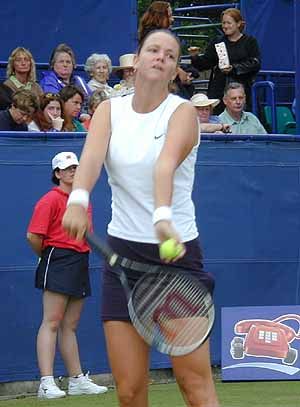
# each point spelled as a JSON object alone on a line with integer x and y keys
{"x": 79, "y": 197}
{"x": 162, "y": 213}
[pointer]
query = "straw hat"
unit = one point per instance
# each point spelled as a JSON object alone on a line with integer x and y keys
{"x": 126, "y": 61}
{"x": 201, "y": 100}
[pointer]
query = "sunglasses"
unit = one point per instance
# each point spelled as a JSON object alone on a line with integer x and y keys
{"x": 52, "y": 96}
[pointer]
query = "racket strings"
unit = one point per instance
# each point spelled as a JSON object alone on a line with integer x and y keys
{"x": 147, "y": 297}
{"x": 156, "y": 296}
{"x": 151, "y": 292}
{"x": 172, "y": 311}
{"x": 189, "y": 328}
{"x": 186, "y": 321}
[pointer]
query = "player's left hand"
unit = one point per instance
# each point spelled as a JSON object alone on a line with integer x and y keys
{"x": 164, "y": 231}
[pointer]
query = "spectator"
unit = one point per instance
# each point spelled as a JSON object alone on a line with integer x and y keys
{"x": 125, "y": 71}
{"x": 72, "y": 98}
{"x": 241, "y": 122}
{"x": 24, "y": 105}
{"x": 239, "y": 62}
{"x": 62, "y": 64}
{"x": 97, "y": 97}
{"x": 99, "y": 67}
{"x": 183, "y": 83}
{"x": 158, "y": 15}
{"x": 63, "y": 276}
{"x": 21, "y": 72}
{"x": 48, "y": 117}
{"x": 208, "y": 122}
{"x": 5, "y": 96}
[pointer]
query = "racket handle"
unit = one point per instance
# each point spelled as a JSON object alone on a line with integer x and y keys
{"x": 100, "y": 246}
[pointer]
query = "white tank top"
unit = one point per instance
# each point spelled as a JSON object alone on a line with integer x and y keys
{"x": 135, "y": 144}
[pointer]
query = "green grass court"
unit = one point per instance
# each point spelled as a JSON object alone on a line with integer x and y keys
{"x": 248, "y": 394}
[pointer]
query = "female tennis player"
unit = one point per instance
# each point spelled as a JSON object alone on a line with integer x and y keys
{"x": 148, "y": 142}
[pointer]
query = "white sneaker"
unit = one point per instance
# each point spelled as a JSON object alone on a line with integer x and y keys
{"x": 84, "y": 385}
{"x": 49, "y": 390}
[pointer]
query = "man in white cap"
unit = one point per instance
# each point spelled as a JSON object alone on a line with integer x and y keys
{"x": 208, "y": 122}
{"x": 63, "y": 275}
{"x": 125, "y": 71}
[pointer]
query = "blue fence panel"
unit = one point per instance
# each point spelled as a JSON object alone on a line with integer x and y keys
{"x": 262, "y": 16}
{"x": 87, "y": 26}
{"x": 248, "y": 209}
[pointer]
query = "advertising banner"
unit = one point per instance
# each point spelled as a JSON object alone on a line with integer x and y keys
{"x": 261, "y": 343}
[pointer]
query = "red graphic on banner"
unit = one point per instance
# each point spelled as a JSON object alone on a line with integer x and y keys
{"x": 266, "y": 338}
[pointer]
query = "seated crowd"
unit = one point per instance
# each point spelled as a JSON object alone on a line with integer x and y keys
{"x": 63, "y": 101}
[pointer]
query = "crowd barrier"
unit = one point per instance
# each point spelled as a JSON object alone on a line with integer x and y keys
{"x": 248, "y": 212}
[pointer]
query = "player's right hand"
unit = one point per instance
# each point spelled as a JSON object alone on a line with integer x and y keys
{"x": 75, "y": 221}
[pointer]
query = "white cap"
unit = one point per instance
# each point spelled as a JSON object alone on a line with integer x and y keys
{"x": 64, "y": 160}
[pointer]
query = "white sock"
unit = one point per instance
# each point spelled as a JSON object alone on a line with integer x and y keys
{"x": 75, "y": 378}
{"x": 46, "y": 378}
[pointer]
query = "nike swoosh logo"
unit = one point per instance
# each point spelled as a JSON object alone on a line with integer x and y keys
{"x": 161, "y": 135}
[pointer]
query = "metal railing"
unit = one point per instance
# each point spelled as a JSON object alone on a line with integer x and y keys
{"x": 206, "y": 22}
{"x": 207, "y": 7}
{"x": 196, "y": 26}
{"x": 271, "y": 87}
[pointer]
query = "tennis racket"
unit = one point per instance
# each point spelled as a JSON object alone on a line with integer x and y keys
{"x": 170, "y": 308}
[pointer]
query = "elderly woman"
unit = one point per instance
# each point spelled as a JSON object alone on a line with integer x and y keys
{"x": 208, "y": 122}
{"x": 99, "y": 67}
{"x": 125, "y": 71}
{"x": 62, "y": 64}
{"x": 21, "y": 73}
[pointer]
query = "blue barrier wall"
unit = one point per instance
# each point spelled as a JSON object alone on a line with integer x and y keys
{"x": 248, "y": 209}
{"x": 101, "y": 26}
{"x": 272, "y": 22}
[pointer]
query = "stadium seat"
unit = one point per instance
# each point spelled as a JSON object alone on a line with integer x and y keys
{"x": 285, "y": 120}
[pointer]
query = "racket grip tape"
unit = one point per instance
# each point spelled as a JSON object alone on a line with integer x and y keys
{"x": 100, "y": 246}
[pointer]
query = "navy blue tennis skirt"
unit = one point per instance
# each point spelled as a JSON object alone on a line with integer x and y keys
{"x": 64, "y": 271}
{"x": 114, "y": 303}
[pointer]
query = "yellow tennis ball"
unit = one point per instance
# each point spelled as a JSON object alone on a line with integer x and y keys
{"x": 169, "y": 249}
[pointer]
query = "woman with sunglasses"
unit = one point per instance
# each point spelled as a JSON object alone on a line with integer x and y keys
{"x": 21, "y": 73}
{"x": 48, "y": 117}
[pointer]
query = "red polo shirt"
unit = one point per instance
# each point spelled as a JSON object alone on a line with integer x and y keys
{"x": 47, "y": 218}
